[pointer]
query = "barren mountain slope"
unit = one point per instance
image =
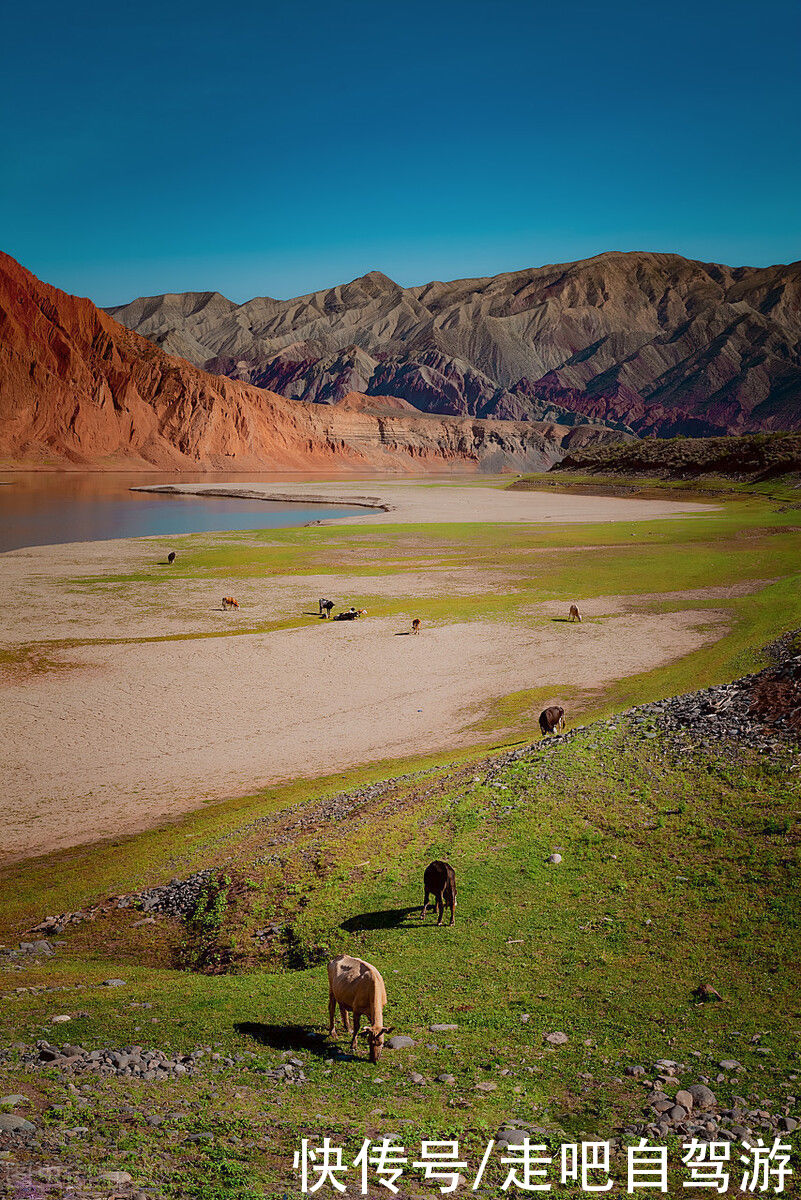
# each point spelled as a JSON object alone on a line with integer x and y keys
{"x": 662, "y": 343}
{"x": 78, "y": 388}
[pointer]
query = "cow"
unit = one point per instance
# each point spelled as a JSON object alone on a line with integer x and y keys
{"x": 439, "y": 879}
{"x": 229, "y": 602}
{"x": 325, "y": 608}
{"x": 357, "y": 987}
{"x": 416, "y": 625}
{"x": 575, "y": 615}
{"x": 552, "y": 719}
{"x": 171, "y": 557}
{"x": 350, "y": 614}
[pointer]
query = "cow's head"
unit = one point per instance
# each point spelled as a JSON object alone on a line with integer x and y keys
{"x": 375, "y": 1041}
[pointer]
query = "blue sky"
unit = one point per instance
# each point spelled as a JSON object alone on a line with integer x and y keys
{"x": 273, "y": 149}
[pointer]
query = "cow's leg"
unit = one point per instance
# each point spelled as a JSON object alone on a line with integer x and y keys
{"x": 332, "y": 1008}
{"x": 356, "y": 1019}
{"x": 344, "y": 1013}
{"x": 425, "y": 907}
{"x": 440, "y": 907}
{"x": 453, "y": 912}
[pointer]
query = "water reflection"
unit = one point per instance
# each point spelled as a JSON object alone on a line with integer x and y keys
{"x": 42, "y": 508}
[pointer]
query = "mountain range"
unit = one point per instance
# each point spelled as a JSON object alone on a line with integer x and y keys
{"x": 79, "y": 389}
{"x": 656, "y": 343}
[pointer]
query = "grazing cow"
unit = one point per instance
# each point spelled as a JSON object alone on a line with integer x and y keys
{"x": 325, "y": 608}
{"x": 357, "y": 987}
{"x": 416, "y": 625}
{"x": 439, "y": 879}
{"x": 350, "y": 614}
{"x": 575, "y": 615}
{"x": 229, "y": 602}
{"x": 171, "y": 557}
{"x": 552, "y": 720}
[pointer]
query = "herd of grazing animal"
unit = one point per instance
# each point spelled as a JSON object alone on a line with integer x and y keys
{"x": 356, "y": 985}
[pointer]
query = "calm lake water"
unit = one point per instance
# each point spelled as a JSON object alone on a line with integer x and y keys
{"x": 43, "y": 509}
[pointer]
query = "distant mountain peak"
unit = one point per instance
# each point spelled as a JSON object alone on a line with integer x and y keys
{"x": 641, "y": 339}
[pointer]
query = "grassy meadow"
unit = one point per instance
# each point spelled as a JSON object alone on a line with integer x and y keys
{"x": 678, "y": 869}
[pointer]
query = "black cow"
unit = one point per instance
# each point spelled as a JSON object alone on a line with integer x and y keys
{"x": 552, "y": 719}
{"x": 325, "y": 608}
{"x": 171, "y": 557}
{"x": 439, "y": 880}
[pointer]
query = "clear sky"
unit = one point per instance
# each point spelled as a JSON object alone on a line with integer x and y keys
{"x": 256, "y": 148}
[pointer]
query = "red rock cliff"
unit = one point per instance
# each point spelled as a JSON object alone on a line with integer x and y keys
{"x": 78, "y": 389}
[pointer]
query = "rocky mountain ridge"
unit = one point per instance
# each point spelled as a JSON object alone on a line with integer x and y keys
{"x": 655, "y": 342}
{"x": 79, "y": 389}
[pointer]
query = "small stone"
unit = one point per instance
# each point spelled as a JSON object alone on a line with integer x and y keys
{"x": 13, "y": 1123}
{"x": 511, "y": 1137}
{"x": 13, "y": 1101}
{"x": 635, "y": 1071}
{"x": 113, "y": 983}
{"x": 729, "y": 1064}
{"x": 703, "y": 1097}
{"x": 116, "y": 1178}
{"x": 554, "y": 858}
{"x": 442, "y": 1028}
{"x": 685, "y": 1099}
{"x": 416, "y": 1078}
{"x": 399, "y": 1042}
{"x": 486, "y": 1087}
{"x": 678, "y": 1113}
{"x": 788, "y": 1124}
{"x": 445, "y": 1079}
{"x": 555, "y": 1039}
{"x": 59, "y": 1020}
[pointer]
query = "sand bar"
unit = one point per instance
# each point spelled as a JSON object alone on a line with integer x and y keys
{"x": 415, "y": 502}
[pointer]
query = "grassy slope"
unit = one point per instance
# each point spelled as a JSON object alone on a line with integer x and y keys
{"x": 675, "y": 871}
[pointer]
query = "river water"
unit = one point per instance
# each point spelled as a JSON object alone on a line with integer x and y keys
{"x": 44, "y": 508}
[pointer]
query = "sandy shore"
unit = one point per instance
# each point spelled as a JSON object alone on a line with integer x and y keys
{"x": 146, "y": 731}
{"x": 109, "y": 738}
{"x": 415, "y": 502}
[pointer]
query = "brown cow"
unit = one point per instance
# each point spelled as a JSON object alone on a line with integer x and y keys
{"x": 416, "y": 625}
{"x": 575, "y": 615}
{"x": 357, "y": 987}
{"x": 439, "y": 878}
{"x": 229, "y": 602}
{"x": 552, "y": 720}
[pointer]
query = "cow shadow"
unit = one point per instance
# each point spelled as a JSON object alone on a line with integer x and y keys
{"x": 404, "y": 633}
{"x": 565, "y": 619}
{"x": 385, "y": 918}
{"x": 289, "y": 1037}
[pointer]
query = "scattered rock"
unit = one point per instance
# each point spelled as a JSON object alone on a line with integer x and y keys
{"x": 399, "y": 1042}
{"x": 116, "y": 1178}
{"x": 113, "y": 983}
{"x": 554, "y": 858}
{"x": 555, "y": 1039}
{"x": 442, "y": 1028}
{"x": 13, "y": 1123}
{"x": 703, "y": 1097}
{"x": 486, "y": 1086}
{"x": 729, "y": 1064}
{"x": 685, "y": 1098}
{"x": 445, "y": 1078}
